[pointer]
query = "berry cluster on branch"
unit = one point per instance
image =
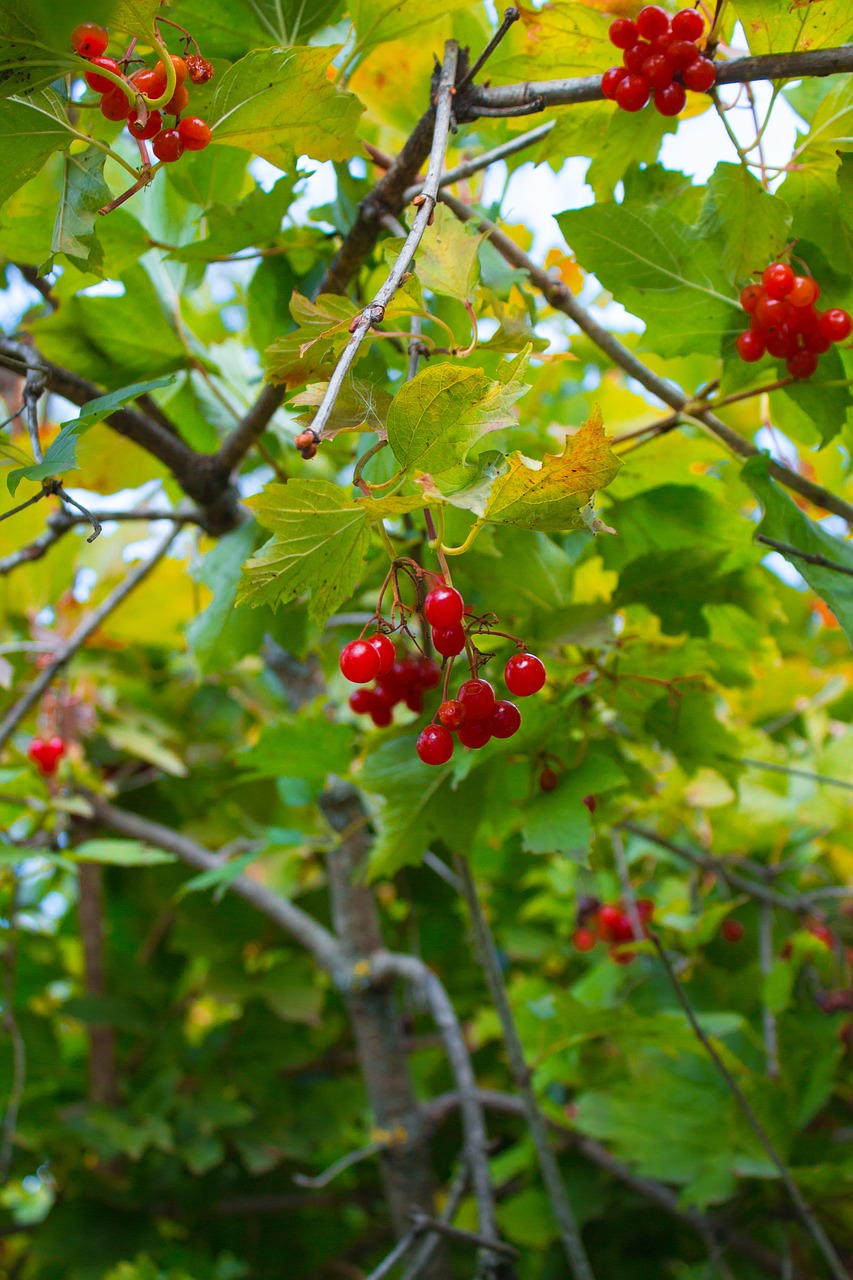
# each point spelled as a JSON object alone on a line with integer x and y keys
{"x": 46, "y": 754}
{"x": 659, "y": 57}
{"x": 785, "y": 324}
{"x": 609, "y": 922}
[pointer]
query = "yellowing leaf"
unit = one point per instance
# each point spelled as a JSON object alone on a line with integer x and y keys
{"x": 311, "y": 350}
{"x": 447, "y": 258}
{"x": 376, "y": 21}
{"x": 552, "y": 495}
{"x": 559, "y": 39}
{"x": 567, "y": 268}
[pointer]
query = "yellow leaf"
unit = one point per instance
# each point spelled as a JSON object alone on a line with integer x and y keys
{"x": 568, "y": 269}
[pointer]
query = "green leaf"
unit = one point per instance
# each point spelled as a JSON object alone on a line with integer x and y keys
{"x": 785, "y": 522}
{"x": 687, "y": 726}
{"x": 447, "y": 258}
{"x": 120, "y": 853}
{"x": 220, "y": 570}
{"x": 558, "y": 821}
{"x": 231, "y": 28}
{"x": 820, "y": 403}
{"x": 752, "y": 226}
{"x": 320, "y": 544}
{"x": 310, "y": 747}
{"x": 62, "y": 454}
{"x": 377, "y": 21}
{"x": 278, "y": 103}
{"x": 407, "y": 788}
{"x": 786, "y": 28}
{"x": 31, "y": 129}
{"x": 254, "y": 222}
{"x": 811, "y": 189}
{"x": 309, "y": 353}
{"x": 436, "y": 418}
{"x": 84, "y": 192}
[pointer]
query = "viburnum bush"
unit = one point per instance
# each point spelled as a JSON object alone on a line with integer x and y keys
{"x": 425, "y": 682}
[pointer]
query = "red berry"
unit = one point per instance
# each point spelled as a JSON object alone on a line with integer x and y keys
{"x": 633, "y": 93}
{"x": 359, "y": 659}
{"x": 180, "y": 69}
{"x": 658, "y": 70}
{"x": 814, "y": 340}
{"x": 623, "y": 957}
{"x": 199, "y": 69}
{"x": 435, "y": 745}
{"x": 195, "y": 133}
{"x": 621, "y": 930}
{"x": 167, "y": 146}
{"x": 770, "y": 313}
{"x": 802, "y": 364}
{"x": 386, "y": 651}
{"x": 687, "y": 24}
{"x": 548, "y": 780}
{"x": 414, "y": 700}
{"x": 148, "y": 83}
{"x": 652, "y": 21}
{"x": 634, "y": 57}
{"x": 100, "y": 83}
{"x": 177, "y": 102}
{"x": 505, "y": 720}
{"x": 362, "y": 701}
{"x": 750, "y": 346}
{"x": 670, "y": 100}
{"x": 448, "y": 641}
{"x": 444, "y": 607}
{"x": 584, "y": 677}
{"x": 731, "y": 930}
{"x": 452, "y": 714}
{"x": 623, "y": 33}
{"x": 115, "y": 105}
{"x": 427, "y": 673}
{"x": 778, "y": 280}
{"x": 660, "y": 45}
{"x": 803, "y": 292}
{"x": 608, "y": 917}
{"x": 89, "y": 40}
{"x": 750, "y": 297}
{"x": 782, "y": 343}
{"x": 835, "y": 324}
{"x": 699, "y": 75}
{"x": 524, "y": 674}
{"x": 820, "y": 931}
{"x": 591, "y": 803}
{"x": 381, "y": 716}
{"x": 46, "y": 754}
{"x": 150, "y": 129}
{"x": 475, "y": 735}
{"x": 610, "y": 80}
{"x": 583, "y": 940}
{"x": 478, "y": 699}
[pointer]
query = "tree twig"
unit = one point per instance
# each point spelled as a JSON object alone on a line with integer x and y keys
{"x": 455, "y": 1196}
{"x": 810, "y": 557}
{"x": 803, "y": 1209}
{"x": 340, "y": 1166}
{"x": 511, "y": 15}
{"x": 424, "y": 1223}
{"x": 796, "y": 773}
{"x": 482, "y": 161}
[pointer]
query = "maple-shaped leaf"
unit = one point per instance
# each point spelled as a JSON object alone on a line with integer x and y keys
{"x": 552, "y": 495}
{"x": 310, "y": 352}
{"x": 360, "y": 406}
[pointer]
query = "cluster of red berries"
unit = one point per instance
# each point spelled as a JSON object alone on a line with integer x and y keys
{"x": 46, "y": 754}
{"x": 785, "y": 323}
{"x": 660, "y": 57}
{"x": 397, "y": 679}
{"x": 610, "y": 923}
{"x": 475, "y": 715}
{"x": 149, "y": 84}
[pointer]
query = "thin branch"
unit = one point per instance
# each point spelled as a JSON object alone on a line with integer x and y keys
{"x": 424, "y": 1223}
{"x": 33, "y": 391}
{"x": 511, "y": 16}
{"x": 803, "y": 1209}
{"x": 455, "y": 1196}
{"x": 340, "y": 1166}
{"x": 797, "y": 773}
{"x": 488, "y": 956}
{"x": 87, "y": 628}
{"x": 374, "y": 312}
{"x": 60, "y": 522}
{"x": 810, "y": 557}
{"x": 37, "y": 497}
{"x": 766, "y": 960}
{"x": 93, "y": 520}
{"x": 562, "y": 299}
{"x": 469, "y": 167}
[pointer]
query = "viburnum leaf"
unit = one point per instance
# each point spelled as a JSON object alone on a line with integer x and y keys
{"x": 377, "y": 21}
{"x": 360, "y": 406}
{"x": 279, "y": 103}
{"x": 437, "y": 417}
{"x": 84, "y": 192}
{"x": 321, "y": 540}
{"x": 552, "y": 495}
{"x": 752, "y": 226}
{"x": 230, "y": 28}
{"x": 31, "y": 129}
{"x": 811, "y": 189}
{"x": 556, "y": 40}
{"x": 255, "y": 220}
{"x": 310, "y": 351}
{"x": 447, "y": 258}
{"x": 789, "y": 27}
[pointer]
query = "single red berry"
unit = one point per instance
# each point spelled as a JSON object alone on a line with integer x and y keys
{"x": 524, "y": 674}
{"x": 803, "y": 292}
{"x": 700, "y": 75}
{"x": 687, "y": 24}
{"x": 815, "y": 341}
{"x": 645, "y": 909}
{"x": 583, "y": 940}
{"x": 359, "y": 659}
{"x": 623, "y": 33}
{"x": 802, "y": 364}
{"x": 386, "y": 651}
{"x": 46, "y": 754}
{"x": 781, "y": 343}
{"x": 660, "y": 44}
{"x": 475, "y": 734}
{"x": 623, "y": 957}
{"x": 681, "y": 54}
{"x": 180, "y": 69}
{"x": 778, "y": 280}
{"x": 452, "y": 714}
{"x": 199, "y": 69}
{"x": 380, "y": 697}
{"x": 608, "y": 918}
{"x": 591, "y": 803}
{"x": 633, "y": 93}
{"x": 835, "y": 324}
{"x": 100, "y": 83}
{"x": 444, "y": 607}
{"x": 731, "y": 930}
{"x": 150, "y": 129}
{"x": 771, "y": 313}
{"x": 448, "y": 641}
{"x": 548, "y": 780}
{"x": 750, "y": 346}
{"x": 195, "y": 133}
{"x": 148, "y": 83}
{"x": 115, "y": 105}
{"x": 610, "y": 80}
{"x": 505, "y": 720}
{"x": 670, "y": 100}
{"x": 177, "y": 102}
{"x": 414, "y": 700}
{"x": 167, "y": 146}
{"x": 621, "y": 930}
{"x": 634, "y": 57}
{"x": 427, "y": 673}
{"x": 658, "y": 70}
{"x": 478, "y": 699}
{"x": 381, "y": 716}
{"x": 435, "y": 744}
{"x": 823, "y": 934}
{"x": 804, "y": 319}
{"x": 652, "y": 21}
{"x": 362, "y": 701}
{"x": 750, "y": 297}
{"x": 89, "y": 40}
